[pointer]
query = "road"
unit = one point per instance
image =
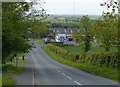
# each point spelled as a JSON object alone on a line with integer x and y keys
{"x": 50, "y": 72}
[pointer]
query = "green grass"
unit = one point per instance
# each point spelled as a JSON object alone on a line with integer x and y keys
{"x": 93, "y": 49}
{"x": 40, "y": 41}
{"x": 101, "y": 71}
{"x": 0, "y": 81}
{"x": 7, "y": 82}
{"x": 12, "y": 69}
{"x": 19, "y": 60}
{"x": 9, "y": 70}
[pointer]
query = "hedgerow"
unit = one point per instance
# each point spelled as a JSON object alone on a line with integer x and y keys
{"x": 105, "y": 59}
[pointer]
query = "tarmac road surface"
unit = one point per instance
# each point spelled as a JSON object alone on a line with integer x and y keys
{"x": 50, "y": 72}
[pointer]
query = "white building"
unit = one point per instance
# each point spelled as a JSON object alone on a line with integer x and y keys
{"x": 60, "y": 37}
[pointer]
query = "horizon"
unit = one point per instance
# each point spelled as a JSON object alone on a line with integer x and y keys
{"x": 74, "y": 7}
{"x": 76, "y": 14}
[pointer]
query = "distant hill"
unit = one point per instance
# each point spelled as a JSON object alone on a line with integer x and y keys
{"x": 70, "y": 15}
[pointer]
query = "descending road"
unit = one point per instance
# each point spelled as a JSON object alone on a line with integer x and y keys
{"x": 51, "y": 72}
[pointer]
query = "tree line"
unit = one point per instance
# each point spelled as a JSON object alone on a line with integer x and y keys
{"x": 104, "y": 29}
{"x": 17, "y": 27}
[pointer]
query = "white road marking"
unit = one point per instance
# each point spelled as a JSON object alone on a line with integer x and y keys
{"x": 58, "y": 70}
{"x": 33, "y": 72}
{"x": 64, "y": 74}
{"x": 69, "y": 77}
{"x": 77, "y": 83}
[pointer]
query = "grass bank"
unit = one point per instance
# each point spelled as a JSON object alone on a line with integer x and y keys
{"x": 109, "y": 73}
{"x": 40, "y": 41}
{"x": 9, "y": 70}
{"x": 7, "y": 82}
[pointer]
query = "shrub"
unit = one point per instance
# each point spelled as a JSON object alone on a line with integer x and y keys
{"x": 73, "y": 56}
{"x": 58, "y": 50}
{"x": 64, "y": 53}
{"x": 7, "y": 82}
{"x": 106, "y": 59}
{"x": 8, "y": 67}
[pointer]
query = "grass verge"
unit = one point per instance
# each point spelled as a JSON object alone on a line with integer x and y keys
{"x": 0, "y": 81}
{"x": 10, "y": 70}
{"x": 7, "y": 82}
{"x": 40, "y": 41}
{"x": 101, "y": 71}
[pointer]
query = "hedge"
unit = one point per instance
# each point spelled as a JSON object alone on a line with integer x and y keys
{"x": 73, "y": 56}
{"x": 105, "y": 59}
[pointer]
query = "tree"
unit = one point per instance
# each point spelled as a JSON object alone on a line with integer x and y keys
{"x": 112, "y": 5}
{"x": 106, "y": 27}
{"x": 106, "y": 30}
{"x": 13, "y": 28}
{"x": 37, "y": 28}
{"x": 83, "y": 35}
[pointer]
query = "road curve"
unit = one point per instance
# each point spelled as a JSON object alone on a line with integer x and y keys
{"x": 51, "y": 72}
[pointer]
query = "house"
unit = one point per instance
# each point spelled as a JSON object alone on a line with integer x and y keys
{"x": 60, "y": 37}
{"x": 69, "y": 37}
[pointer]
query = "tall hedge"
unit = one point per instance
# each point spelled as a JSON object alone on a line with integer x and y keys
{"x": 105, "y": 59}
{"x": 73, "y": 56}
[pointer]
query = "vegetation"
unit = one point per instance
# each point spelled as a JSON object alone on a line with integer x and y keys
{"x": 105, "y": 30}
{"x": 83, "y": 35}
{"x": 13, "y": 36}
{"x": 9, "y": 70}
{"x": 18, "y": 26}
{"x": 63, "y": 25}
{"x": 41, "y": 42}
{"x": 37, "y": 28}
{"x": 92, "y": 49}
{"x": 98, "y": 70}
{"x": 106, "y": 59}
{"x": 7, "y": 82}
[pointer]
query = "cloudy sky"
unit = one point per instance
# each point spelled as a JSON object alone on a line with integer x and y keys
{"x": 87, "y": 7}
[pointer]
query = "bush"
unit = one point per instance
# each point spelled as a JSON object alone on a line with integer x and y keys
{"x": 105, "y": 59}
{"x": 73, "y": 56}
{"x": 64, "y": 53}
{"x": 7, "y": 82}
{"x": 8, "y": 67}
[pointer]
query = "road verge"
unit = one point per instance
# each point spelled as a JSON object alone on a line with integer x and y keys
{"x": 97, "y": 70}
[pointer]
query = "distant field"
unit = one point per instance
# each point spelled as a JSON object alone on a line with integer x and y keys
{"x": 93, "y": 49}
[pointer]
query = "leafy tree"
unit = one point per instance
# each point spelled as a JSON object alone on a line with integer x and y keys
{"x": 13, "y": 28}
{"x": 85, "y": 25}
{"x": 83, "y": 36}
{"x": 106, "y": 30}
{"x": 37, "y": 28}
{"x": 112, "y": 5}
{"x": 106, "y": 27}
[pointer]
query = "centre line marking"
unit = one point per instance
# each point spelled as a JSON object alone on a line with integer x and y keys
{"x": 58, "y": 70}
{"x": 64, "y": 74}
{"x": 69, "y": 77}
{"x": 77, "y": 83}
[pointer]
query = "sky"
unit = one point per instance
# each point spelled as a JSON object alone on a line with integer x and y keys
{"x": 74, "y": 7}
